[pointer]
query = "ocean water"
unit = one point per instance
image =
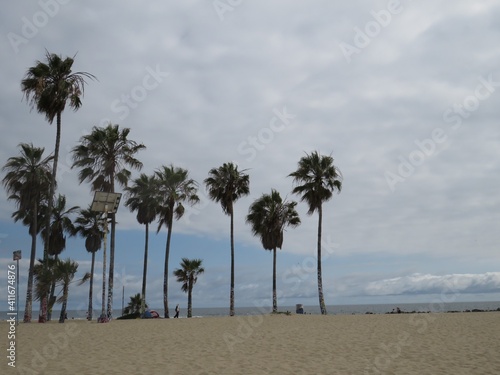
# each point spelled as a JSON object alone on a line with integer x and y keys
{"x": 332, "y": 310}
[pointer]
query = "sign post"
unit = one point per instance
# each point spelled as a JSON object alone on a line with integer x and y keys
{"x": 16, "y": 256}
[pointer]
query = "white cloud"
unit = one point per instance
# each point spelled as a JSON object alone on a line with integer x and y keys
{"x": 435, "y": 284}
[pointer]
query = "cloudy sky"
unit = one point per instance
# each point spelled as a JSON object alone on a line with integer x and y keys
{"x": 404, "y": 96}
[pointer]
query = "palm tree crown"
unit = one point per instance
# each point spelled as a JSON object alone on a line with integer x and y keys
{"x": 104, "y": 155}
{"x": 269, "y": 215}
{"x": 226, "y": 185}
{"x": 316, "y": 178}
{"x": 49, "y": 86}
{"x": 60, "y": 224}
{"x": 28, "y": 176}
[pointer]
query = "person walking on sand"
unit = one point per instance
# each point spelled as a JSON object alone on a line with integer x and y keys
{"x": 177, "y": 311}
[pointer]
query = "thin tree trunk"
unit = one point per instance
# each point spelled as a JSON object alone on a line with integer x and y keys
{"x": 145, "y": 270}
{"x": 111, "y": 266}
{"x": 102, "y": 318}
{"x": 190, "y": 298}
{"x": 231, "y": 293}
{"x": 165, "y": 275}
{"x": 51, "y": 295}
{"x": 28, "y": 310}
{"x": 62, "y": 317}
{"x": 91, "y": 287}
{"x": 50, "y": 203}
{"x": 275, "y": 299}
{"x": 320, "y": 278}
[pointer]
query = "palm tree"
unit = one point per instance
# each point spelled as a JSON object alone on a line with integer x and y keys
{"x": 226, "y": 185}
{"x": 135, "y": 305}
{"x": 44, "y": 273}
{"x": 89, "y": 225}
{"x": 188, "y": 275}
{"x": 102, "y": 157}
{"x": 269, "y": 216}
{"x": 62, "y": 273}
{"x": 27, "y": 183}
{"x": 142, "y": 198}
{"x": 48, "y": 86}
{"x": 65, "y": 271}
{"x": 316, "y": 179}
{"x": 59, "y": 226}
{"x": 174, "y": 188}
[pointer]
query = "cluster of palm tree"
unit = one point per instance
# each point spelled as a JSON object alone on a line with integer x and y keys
{"x": 104, "y": 159}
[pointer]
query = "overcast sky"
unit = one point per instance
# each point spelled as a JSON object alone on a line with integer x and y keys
{"x": 404, "y": 96}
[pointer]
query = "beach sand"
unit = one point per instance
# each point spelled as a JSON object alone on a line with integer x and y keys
{"x": 446, "y": 343}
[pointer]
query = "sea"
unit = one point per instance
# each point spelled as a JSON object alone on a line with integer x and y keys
{"x": 435, "y": 307}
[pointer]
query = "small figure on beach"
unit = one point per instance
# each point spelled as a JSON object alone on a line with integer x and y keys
{"x": 177, "y": 311}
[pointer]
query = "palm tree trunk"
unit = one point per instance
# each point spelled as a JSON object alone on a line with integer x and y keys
{"x": 275, "y": 299}
{"x": 144, "y": 271}
{"x": 320, "y": 278}
{"x": 111, "y": 266}
{"x": 50, "y": 203}
{"x": 62, "y": 317}
{"x": 51, "y": 295}
{"x": 165, "y": 275}
{"x": 29, "y": 290}
{"x": 190, "y": 297}
{"x": 105, "y": 243}
{"x": 91, "y": 287}
{"x": 231, "y": 293}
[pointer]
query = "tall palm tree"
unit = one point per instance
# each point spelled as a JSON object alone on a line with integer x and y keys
{"x": 316, "y": 179}
{"x": 60, "y": 225}
{"x": 142, "y": 198}
{"x": 103, "y": 156}
{"x": 89, "y": 225}
{"x": 174, "y": 188}
{"x": 27, "y": 182}
{"x": 226, "y": 185}
{"x": 188, "y": 275}
{"x": 269, "y": 216}
{"x": 48, "y": 87}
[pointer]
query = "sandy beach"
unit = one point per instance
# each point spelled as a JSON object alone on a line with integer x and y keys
{"x": 446, "y": 343}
